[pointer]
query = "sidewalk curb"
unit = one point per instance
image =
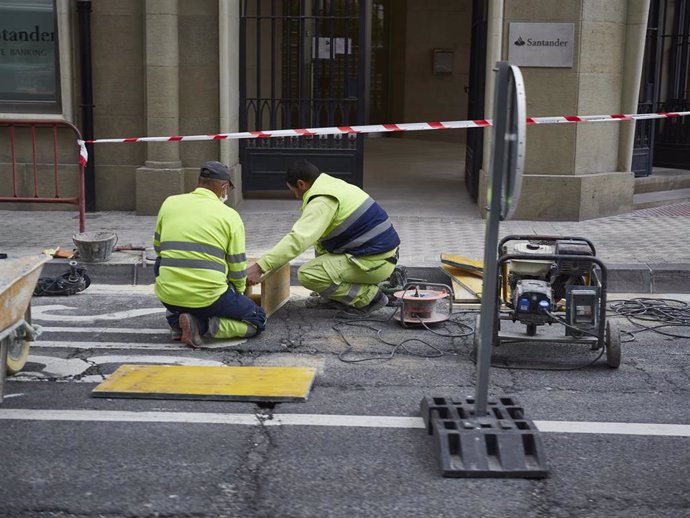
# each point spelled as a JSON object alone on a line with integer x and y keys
{"x": 622, "y": 277}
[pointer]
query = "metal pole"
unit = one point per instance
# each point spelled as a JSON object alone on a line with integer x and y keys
{"x": 497, "y": 171}
{"x": 84, "y": 10}
{"x": 4, "y": 346}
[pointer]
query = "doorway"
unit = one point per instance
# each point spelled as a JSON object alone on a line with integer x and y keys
{"x": 664, "y": 87}
{"x": 310, "y": 63}
{"x": 302, "y": 65}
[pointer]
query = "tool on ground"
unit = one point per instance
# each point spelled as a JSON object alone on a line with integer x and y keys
{"x": 58, "y": 253}
{"x": 129, "y": 248}
{"x": 423, "y": 304}
{"x": 477, "y": 436}
{"x": 70, "y": 282}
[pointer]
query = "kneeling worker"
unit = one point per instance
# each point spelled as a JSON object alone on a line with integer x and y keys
{"x": 201, "y": 262}
{"x": 355, "y": 242}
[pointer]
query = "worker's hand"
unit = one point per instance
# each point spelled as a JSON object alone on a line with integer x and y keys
{"x": 254, "y": 274}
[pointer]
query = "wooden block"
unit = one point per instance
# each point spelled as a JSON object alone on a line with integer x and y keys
{"x": 274, "y": 290}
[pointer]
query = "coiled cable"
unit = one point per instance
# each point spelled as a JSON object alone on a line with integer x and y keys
{"x": 667, "y": 313}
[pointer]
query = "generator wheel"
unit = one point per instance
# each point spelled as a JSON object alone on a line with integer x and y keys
{"x": 613, "y": 344}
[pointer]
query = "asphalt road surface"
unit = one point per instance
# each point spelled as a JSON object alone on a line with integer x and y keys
{"x": 617, "y": 441}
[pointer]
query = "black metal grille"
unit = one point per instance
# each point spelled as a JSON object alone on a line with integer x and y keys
{"x": 302, "y": 65}
{"x": 664, "y": 88}
{"x": 475, "y": 103}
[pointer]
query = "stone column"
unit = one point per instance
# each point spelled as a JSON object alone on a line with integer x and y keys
{"x": 578, "y": 171}
{"x": 229, "y": 64}
{"x": 162, "y": 174}
{"x": 635, "y": 38}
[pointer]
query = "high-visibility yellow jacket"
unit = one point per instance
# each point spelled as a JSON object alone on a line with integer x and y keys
{"x": 200, "y": 242}
{"x": 360, "y": 226}
{"x": 336, "y": 217}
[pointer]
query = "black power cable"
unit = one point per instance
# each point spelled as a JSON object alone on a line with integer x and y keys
{"x": 671, "y": 313}
{"x": 344, "y": 319}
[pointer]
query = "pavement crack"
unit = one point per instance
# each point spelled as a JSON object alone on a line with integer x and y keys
{"x": 540, "y": 499}
{"x": 243, "y": 495}
{"x": 648, "y": 379}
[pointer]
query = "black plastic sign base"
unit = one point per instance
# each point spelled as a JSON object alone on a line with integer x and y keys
{"x": 500, "y": 444}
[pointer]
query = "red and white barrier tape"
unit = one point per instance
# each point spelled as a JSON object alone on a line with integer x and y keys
{"x": 376, "y": 128}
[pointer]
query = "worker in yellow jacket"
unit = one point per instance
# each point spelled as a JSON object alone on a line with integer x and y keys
{"x": 201, "y": 263}
{"x": 355, "y": 242}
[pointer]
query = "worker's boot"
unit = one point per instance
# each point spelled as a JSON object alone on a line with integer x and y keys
{"x": 316, "y": 301}
{"x": 190, "y": 330}
{"x": 379, "y": 301}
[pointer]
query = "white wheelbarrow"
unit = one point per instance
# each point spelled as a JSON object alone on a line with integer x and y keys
{"x": 18, "y": 278}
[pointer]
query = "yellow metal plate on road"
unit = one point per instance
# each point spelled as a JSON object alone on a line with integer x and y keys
{"x": 271, "y": 384}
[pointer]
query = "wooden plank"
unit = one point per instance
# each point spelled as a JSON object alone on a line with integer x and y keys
{"x": 460, "y": 294}
{"x": 470, "y": 284}
{"x": 466, "y": 264}
{"x": 274, "y": 290}
{"x": 227, "y": 383}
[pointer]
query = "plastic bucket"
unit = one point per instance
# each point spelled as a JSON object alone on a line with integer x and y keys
{"x": 95, "y": 247}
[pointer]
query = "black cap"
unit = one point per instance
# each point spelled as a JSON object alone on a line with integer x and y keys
{"x": 215, "y": 171}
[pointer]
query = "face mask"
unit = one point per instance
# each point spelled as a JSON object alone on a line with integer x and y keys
{"x": 224, "y": 198}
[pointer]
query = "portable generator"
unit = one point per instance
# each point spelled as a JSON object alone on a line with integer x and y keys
{"x": 547, "y": 280}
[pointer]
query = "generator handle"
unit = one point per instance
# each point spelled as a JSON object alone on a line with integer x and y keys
{"x": 565, "y": 257}
{"x": 533, "y": 237}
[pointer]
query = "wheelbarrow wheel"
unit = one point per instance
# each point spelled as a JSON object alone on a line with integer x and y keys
{"x": 613, "y": 344}
{"x": 18, "y": 348}
{"x": 17, "y": 354}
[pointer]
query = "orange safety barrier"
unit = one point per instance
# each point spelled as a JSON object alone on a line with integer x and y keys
{"x": 31, "y": 126}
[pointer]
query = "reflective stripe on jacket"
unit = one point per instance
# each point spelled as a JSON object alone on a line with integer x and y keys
{"x": 360, "y": 226}
{"x": 200, "y": 242}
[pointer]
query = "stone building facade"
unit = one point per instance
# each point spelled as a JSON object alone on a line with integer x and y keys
{"x": 175, "y": 67}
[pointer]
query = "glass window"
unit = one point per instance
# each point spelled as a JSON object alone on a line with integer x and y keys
{"x": 29, "y": 75}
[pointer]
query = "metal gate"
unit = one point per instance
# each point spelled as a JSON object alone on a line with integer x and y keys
{"x": 44, "y": 165}
{"x": 302, "y": 64}
{"x": 475, "y": 104}
{"x": 664, "y": 88}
